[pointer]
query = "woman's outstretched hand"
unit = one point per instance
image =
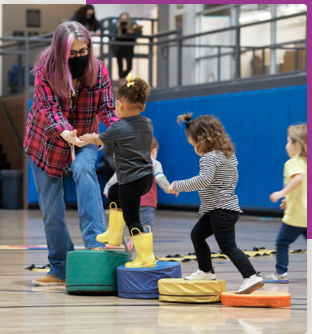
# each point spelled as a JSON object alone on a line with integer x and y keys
{"x": 74, "y": 140}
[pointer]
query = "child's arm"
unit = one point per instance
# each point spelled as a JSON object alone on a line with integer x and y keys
{"x": 110, "y": 182}
{"x": 292, "y": 185}
{"x": 160, "y": 177}
{"x": 163, "y": 183}
{"x": 92, "y": 138}
{"x": 207, "y": 172}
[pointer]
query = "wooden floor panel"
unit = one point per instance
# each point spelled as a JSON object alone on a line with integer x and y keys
{"x": 25, "y": 308}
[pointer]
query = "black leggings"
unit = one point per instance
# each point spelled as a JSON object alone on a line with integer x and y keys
{"x": 127, "y": 53}
{"x": 221, "y": 223}
{"x": 128, "y": 198}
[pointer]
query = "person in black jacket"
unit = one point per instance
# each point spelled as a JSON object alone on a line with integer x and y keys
{"x": 125, "y": 27}
{"x": 85, "y": 15}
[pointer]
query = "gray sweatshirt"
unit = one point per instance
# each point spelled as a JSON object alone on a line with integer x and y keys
{"x": 132, "y": 139}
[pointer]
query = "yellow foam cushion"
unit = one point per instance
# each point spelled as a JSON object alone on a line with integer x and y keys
{"x": 256, "y": 299}
{"x": 190, "y": 291}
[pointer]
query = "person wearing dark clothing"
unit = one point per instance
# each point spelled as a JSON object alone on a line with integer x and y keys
{"x": 85, "y": 15}
{"x": 125, "y": 29}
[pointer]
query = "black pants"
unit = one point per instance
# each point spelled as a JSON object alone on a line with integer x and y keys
{"x": 221, "y": 223}
{"x": 128, "y": 197}
{"x": 127, "y": 53}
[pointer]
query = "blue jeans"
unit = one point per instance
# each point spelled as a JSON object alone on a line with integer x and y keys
{"x": 90, "y": 208}
{"x": 147, "y": 217}
{"x": 286, "y": 236}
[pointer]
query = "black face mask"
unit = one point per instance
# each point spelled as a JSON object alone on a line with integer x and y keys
{"x": 77, "y": 65}
{"x": 124, "y": 23}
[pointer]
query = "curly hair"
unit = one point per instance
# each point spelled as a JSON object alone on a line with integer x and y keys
{"x": 208, "y": 134}
{"x": 298, "y": 136}
{"x": 135, "y": 94}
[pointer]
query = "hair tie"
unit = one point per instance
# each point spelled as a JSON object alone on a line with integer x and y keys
{"x": 130, "y": 81}
{"x": 187, "y": 124}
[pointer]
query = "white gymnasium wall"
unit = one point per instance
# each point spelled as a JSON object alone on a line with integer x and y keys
{"x": 208, "y": 68}
{"x": 188, "y": 11}
{"x": 138, "y": 10}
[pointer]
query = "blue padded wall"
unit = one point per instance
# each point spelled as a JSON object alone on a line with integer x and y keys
{"x": 257, "y": 123}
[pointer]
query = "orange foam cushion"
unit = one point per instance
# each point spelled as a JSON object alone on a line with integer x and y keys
{"x": 256, "y": 299}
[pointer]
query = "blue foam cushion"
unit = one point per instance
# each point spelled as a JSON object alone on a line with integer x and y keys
{"x": 143, "y": 282}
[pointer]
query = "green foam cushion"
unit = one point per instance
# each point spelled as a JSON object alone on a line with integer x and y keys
{"x": 93, "y": 271}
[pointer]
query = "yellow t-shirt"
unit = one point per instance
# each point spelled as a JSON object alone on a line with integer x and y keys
{"x": 296, "y": 201}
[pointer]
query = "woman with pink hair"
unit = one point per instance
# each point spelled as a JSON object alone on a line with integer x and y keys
{"x": 72, "y": 91}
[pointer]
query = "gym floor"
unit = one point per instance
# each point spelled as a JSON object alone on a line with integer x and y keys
{"x": 25, "y": 308}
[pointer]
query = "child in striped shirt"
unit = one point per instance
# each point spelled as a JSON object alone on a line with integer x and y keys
{"x": 219, "y": 206}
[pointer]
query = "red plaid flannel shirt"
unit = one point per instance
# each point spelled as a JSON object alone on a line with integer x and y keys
{"x": 50, "y": 115}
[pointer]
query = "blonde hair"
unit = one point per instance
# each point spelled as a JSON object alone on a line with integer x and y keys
{"x": 129, "y": 23}
{"x": 298, "y": 136}
{"x": 208, "y": 134}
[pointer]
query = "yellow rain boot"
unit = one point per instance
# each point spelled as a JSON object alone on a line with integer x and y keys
{"x": 143, "y": 244}
{"x": 113, "y": 235}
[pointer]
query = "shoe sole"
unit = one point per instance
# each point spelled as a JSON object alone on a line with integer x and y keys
{"x": 48, "y": 284}
{"x": 107, "y": 242}
{"x": 277, "y": 281}
{"x": 251, "y": 289}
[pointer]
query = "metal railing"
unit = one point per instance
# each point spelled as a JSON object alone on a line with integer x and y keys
{"x": 22, "y": 46}
{"x": 175, "y": 39}
{"x": 164, "y": 41}
{"x": 237, "y": 49}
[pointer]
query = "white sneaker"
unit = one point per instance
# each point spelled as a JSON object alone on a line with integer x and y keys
{"x": 277, "y": 278}
{"x": 200, "y": 275}
{"x": 251, "y": 284}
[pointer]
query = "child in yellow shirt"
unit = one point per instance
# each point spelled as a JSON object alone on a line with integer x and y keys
{"x": 295, "y": 202}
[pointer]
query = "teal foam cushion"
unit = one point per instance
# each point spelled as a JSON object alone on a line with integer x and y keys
{"x": 93, "y": 271}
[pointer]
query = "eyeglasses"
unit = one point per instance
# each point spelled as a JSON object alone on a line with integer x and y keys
{"x": 82, "y": 52}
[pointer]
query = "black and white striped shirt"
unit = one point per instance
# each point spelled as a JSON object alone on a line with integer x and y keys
{"x": 215, "y": 183}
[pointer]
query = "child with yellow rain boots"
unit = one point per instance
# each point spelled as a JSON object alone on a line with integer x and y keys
{"x": 132, "y": 139}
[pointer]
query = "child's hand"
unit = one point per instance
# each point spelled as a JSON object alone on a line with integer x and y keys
{"x": 73, "y": 139}
{"x": 90, "y": 138}
{"x": 106, "y": 195}
{"x": 170, "y": 189}
{"x": 283, "y": 205}
{"x": 274, "y": 197}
